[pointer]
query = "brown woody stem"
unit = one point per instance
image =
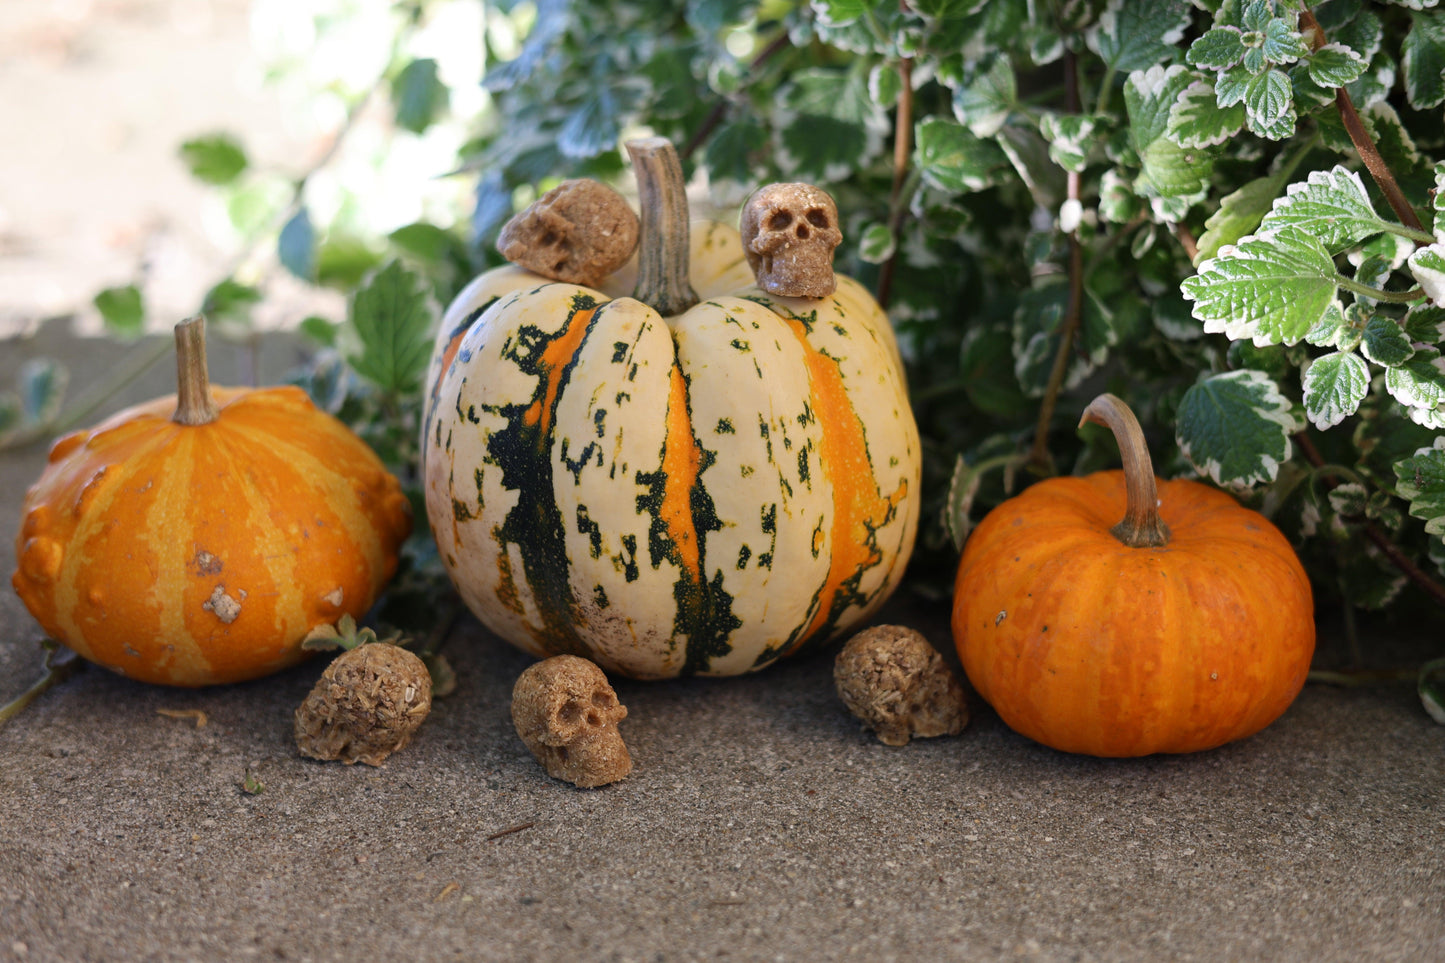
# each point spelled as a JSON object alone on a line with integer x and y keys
{"x": 194, "y": 405}
{"x": 1141, "y": 527}
{"x": 664, "y": 248}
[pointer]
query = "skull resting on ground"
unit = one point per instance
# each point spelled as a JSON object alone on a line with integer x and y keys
{"x": 566, "y": 713}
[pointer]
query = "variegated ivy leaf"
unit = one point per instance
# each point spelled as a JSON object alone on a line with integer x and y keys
{"x": 1426, "y": 323}
{"x": 1331, "y": 329}
{"x": 1428, "y": 266}
{"x": 952, "y": 159}
{"x": 984, "y": 104}
{"x": 1197, "y": 120}
{"x": 1218, "y": 48}
{"x": 1268, "y": 98}
{"x": 1281, "y": 43}
{"x": 1349, "y": 500}
{"x": 1330, "y": 205}
{"x": 828, "y": 126}
{"x": 1231, "y": 85}
{"x": 1070, "y": 137}
{"x": 1335, "y": 65}
{"x": 1170, "y": 171}
{"x": 877, "y": 244}
{"x": 1134, "y": 34}
{"x": 1273, "y": 288}
{"x": 1334, "y": 386}
{"x": 1422, "y": 481}
{"x": 957, "y": 508}
{"x": 1353, "y": 24}
{"x": 1235, "y": 428}
{"x": 1385, "y": 342}
{"x": 1419, "y": 383}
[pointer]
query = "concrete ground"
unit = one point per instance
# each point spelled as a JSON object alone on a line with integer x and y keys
{"x": 761, "y": 822}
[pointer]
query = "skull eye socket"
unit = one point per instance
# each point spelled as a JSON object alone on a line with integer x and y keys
{"x": 779, "y": 220}
{"x": 571, "y": 711}
{"x": 817, "y": 217}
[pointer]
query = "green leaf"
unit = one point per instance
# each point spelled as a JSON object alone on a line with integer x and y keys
{"x": 230, "y": 302}
{"x": 419, "y": 95}
{"x": 319, "y": 330}
{"x": 1385, "y": 342}
{"x": 1419, "y": 382}
{"x": 877, "y": 244}
{"x": 1422, "y": 481}
{"x": 1334, "y": 386}
{"x": 1238, "y": 215}
{"x": 1330, "y": 205}
{"x": 217, "y": 159}
{"x": 1428, "y": 266}
{"x": 1426, "y": 322}
{"x": 1235, "y": 428}
{"x": 828, "y": 125}
{"x": 952, "y": 159}
{"x": 391, "y": 319}
{"x": 425, "y": 241}
{"x": 984, "y": 105}
{"x": 1333, "y": 329}
{"x": 344, "y": 260}
{"x": 296, "y": 246}
{"x": 1422, "y": 60}
{"x": 1282, "y": 43}
{"x": 1197, "y": 120}
{"x": 1070, "y": 137}
{"x": 1258, "y": 14}
{"x": 957, "y": 507}
{"x": 1349, "y": 500}
{"x": 1216, "y": 49}
{"x": 592, "y": 127}
{"x": 732, "y": 151}
{"x": 122, "y": 310}
{"x": 1169, "y": 170}
{"x": 885, "y": 84}
{"x": 1231, "y": 85}
{"x": 1269, "y": 98}
{"x": 1273, "y": 287}
{"x": 41, "y": 383}
{"x": 1137, "y": 34}
{"x": 1335, "y": 65}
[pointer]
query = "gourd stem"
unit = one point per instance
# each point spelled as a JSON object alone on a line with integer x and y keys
{"x": 194, "y": 405}
{"x": 1141, "y": 526}
{"x": 664, "y": 249}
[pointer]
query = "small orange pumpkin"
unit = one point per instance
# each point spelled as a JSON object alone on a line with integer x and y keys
{"x": 197, "y": 539}
{"x": 1185, "y": 626}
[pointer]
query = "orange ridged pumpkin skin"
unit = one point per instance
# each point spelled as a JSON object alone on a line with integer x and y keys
{"x": 1089, "y": 646}
{"x": 192, "y": 555}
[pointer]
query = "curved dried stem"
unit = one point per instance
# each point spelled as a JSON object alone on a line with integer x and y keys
{"x": 1141, "y": 526}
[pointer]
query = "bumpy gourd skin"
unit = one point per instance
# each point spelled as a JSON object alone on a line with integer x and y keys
{"x": 694, "y": 495}
{"x": 203, "y": 554}
{"x": 1090, "y": 646}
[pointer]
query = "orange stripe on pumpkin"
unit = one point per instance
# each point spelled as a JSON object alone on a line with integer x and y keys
{"x": 858, "y": 506}
{"x": 681, "y": 464}
{"x": 555, "y": 357}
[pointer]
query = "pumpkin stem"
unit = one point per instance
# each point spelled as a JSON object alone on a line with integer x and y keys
{"x": 1141, "y": 526}
{"x": 194, "y": 405}
{"x": 665, "y": 247}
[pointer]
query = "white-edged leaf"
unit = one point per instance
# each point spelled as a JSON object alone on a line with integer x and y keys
{"x": 1440, "y": 201}
{"x": 1216, "y": 49}
{"x": 1232, "y": 84}
{"x": 1070, "y": 137}
{"x": 1239, "y": 214}
{"x": 1274, "y": 288}
{"x": 1331, "y": 205}
{"x": 1334, "y": 386}
{"x": 827, "y": 125}
{"x": 1385, "y": 342}
{"x": 876, "y": 244}
{"x": 1426, "y": 322}
{"x": 1349, "y": 499}
{"x": 952, "y": 159}
{"x": 1134, "y": 34}
{"x": 1428, "y": 266}
{"x": 1282, "y": 43}
{"x": 1420, "y": 382}
{"x": 1235, "y": 428}
{"x": 984, "y": 104}
{"x": 1330, "y": 328}
{"x": 957, "y": 508}
{"x": 1197, "y": 120}
{"x": 1170, "y": 171}
{"x": 1422, "y": 481}
{"x": 1269, "y": 97}
{"x": 1335, "y": 65}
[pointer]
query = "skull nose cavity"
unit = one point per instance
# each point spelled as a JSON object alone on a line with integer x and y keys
{"x": 802, "y": 232}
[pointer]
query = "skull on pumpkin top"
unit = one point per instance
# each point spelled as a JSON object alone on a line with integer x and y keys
{"x": 789, "y": 233}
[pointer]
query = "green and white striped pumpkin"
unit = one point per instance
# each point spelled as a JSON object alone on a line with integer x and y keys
{"x": 702, "y": 493}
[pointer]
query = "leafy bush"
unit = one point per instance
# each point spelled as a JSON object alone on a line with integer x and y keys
{"x": 1223, "y": 212}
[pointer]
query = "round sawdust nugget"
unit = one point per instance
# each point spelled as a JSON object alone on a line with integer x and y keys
{"x": 367, "y": 704}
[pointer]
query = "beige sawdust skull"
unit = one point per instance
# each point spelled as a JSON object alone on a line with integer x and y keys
{"x": 789, "y": 234}
{"x": 566, "y": 713}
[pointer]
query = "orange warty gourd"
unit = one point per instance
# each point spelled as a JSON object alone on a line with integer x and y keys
{"x": 1187, "y": 625}
{"x": 197, "y": 539}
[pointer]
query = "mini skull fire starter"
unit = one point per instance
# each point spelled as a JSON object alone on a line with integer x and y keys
{"x": 789, "y": 234}
{"x": 567, "y": 714}
{"x": 579, "y": 232}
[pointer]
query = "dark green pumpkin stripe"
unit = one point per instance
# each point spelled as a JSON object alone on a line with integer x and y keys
{"x": 523, "y": 451}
